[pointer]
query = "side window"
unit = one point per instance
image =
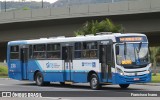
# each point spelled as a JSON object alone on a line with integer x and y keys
{"x": 14, "y": 52}
{"x": 78, "y": 50}
{"x": 39, "y": 51}
{"x": 89, "y": 50}
{"x": 30, "y": 52}
{"x": 53, "y": 51}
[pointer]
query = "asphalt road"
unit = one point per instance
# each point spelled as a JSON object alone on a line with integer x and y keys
{"x": 77, "y": 90}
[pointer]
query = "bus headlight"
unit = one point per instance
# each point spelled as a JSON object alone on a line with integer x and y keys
{"x": 120, "y": 71}
{"x": 149, "y": 70}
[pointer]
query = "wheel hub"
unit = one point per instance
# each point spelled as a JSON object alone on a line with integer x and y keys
{"x": 39, "y": 79}
{"x": 94, "y": 82}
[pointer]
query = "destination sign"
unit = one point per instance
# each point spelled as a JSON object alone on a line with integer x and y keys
{"x": 131, "y": 39}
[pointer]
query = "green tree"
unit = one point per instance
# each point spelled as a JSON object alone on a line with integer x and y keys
{"x": 155, "y": 57}
{"x": 94, "y": 27}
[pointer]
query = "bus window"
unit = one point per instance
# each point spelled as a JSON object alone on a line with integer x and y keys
{"x": 30, "y": 52}
{"x": 78, "y": 50}
{"x": 14, "y": 52}
{"x": 89, "y": 50}
{"x": 53, "y": 47}
{"x": 39, "y": 51}
{"x": 39, "y": 47}
{"x": 53, "y": 51}
{"x": 78, "y": 46}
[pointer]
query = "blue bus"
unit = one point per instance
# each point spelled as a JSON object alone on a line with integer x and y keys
{"x": 100, "y": 59}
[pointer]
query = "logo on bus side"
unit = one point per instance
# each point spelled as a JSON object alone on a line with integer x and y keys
{"x": 105, "y": 42}
{"x": 89, "y": 64}
{"x": 52, "y": 65}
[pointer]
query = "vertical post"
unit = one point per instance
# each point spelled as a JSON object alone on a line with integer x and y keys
{"x": 42, "y": 3}
{"x": 5, "y": 5}
{"x": 68, "y": 2}
{"x": 0, "y": 6}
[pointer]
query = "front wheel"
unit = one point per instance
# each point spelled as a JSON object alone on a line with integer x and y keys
{"x": 39, "y": 79}
{"x": 94, "y": 82}
{"x": 124, "y": 86}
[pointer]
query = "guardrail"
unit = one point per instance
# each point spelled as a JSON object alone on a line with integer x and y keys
{"x": 117, "y": 8}
{"x": 10, "y": 5}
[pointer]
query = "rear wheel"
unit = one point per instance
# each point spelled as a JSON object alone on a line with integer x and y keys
{"x": 124, "y": 86}
{"x": 40, "y": 80}
{"x": 94, "y": 82}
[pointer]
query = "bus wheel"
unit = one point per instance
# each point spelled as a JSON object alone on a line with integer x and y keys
{"x": 124, "y": 86}
{"x": 39, "y": 79}
{"x": 94, "y": 82}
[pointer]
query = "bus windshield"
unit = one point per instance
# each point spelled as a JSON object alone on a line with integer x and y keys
{"x": 132, "y": 54}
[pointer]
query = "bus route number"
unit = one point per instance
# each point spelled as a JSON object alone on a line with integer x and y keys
{"x": 13, "y": 65}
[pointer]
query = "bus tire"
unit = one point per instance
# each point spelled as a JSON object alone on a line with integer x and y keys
{"x": 39, "y": 79}
{"x": 94, "y": 82}
{"x": 124, "y": 86}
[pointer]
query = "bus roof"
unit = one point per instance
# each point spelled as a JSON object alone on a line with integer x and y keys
{"x": 73, "y": 39}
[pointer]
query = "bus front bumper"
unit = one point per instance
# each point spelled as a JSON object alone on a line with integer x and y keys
{"x": 120, "y": 79}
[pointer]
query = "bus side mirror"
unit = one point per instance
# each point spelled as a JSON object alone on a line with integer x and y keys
{"x": 125, "y": 48}
{"x": 140, "y": 45}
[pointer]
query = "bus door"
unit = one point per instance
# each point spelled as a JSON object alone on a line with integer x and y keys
{"x": 24, "y": 62}
{"x": 67, "y": 52}
{"x": 105, "y": 56}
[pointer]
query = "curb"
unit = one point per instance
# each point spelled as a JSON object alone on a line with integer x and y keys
{"x": 151, "y": 84}
{"x": 4, "y": 78}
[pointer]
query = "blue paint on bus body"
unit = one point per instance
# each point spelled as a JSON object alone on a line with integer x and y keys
{"x": 76, "y": 76}
{"x": 119, "y": 79}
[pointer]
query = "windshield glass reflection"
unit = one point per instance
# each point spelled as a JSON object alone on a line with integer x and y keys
{"x": 132, "y": 54}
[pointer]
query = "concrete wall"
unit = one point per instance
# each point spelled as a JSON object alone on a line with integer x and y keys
{"x": 22, "y": 14}
{"x": 60, "y": 11}
{"x": 98, "y": 8}
{"x": 118, "y": 8}
{"x": 40, "y": 13}
{"x": 81, "y": 9}
{"x": 140, "y": 5}
{"x": 37, "y": 32}
{"x": 37, "y": 29}
{"x": 155, "y": 4}
{"x": 6, "y": 16}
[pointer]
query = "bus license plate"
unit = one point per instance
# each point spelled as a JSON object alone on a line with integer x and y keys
{"x": 136, "y": 79}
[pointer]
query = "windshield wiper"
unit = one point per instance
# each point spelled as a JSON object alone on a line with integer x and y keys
{"x": 137, "y": 59}
{"x": 140, "y": 45}
{"x": 125, "y": 50}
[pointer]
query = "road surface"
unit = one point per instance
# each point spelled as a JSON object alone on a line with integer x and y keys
{"x": 78, "y": 90}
